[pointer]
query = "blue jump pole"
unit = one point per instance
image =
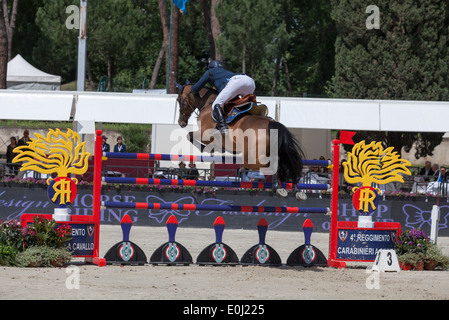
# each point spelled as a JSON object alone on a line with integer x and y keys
{"x": 206, "y": 183}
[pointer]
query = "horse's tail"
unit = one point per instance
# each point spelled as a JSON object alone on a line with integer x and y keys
{"x": 290, "y": 154}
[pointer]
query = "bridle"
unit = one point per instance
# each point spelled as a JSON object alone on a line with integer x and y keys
{"x": 185, "y": 101}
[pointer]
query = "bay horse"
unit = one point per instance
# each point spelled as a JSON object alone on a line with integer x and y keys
{"x": 248, "y": 135}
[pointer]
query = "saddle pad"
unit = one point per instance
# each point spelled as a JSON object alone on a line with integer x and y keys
{"x": 250, "y": 108}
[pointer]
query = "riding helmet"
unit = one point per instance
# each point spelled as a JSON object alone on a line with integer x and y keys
{"x": 215, "y": 64}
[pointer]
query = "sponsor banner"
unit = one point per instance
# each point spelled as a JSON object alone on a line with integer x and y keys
{"x": 14, "y": 201}
{"x": 83, "y": 235}
{"x": 363, "y": 244}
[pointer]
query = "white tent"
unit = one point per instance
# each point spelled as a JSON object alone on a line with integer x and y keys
{"x": 23, "y": 76}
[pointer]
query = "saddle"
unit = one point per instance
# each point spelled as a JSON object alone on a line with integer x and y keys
{"x": 244, "y": 105}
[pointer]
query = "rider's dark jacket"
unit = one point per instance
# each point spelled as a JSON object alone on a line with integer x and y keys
{"x": 217, "y": 77}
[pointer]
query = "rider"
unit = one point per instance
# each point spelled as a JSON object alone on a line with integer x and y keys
{"x": 228, "y": 84}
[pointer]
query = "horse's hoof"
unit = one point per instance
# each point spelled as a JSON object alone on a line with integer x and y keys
{"x": 300, "y": 196}
{"x": 282, "y": 193}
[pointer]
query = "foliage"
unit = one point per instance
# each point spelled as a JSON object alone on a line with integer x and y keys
{"x": 309, "y": 47}
{"x": 7, "y": 255}
{"x": 42, "y": 241}
{"x": 137, "y": 138}
{"x": 126, "y": 36}
{"x": 412, "y": 241}
{"x": 12, "y": 234}
{"x": 46, "y": 232}
{"x": 249, "y": 31}
{"x": 434, "y": 253}
{"x": 403, "y": 60}
{"x": 43, "y": 256}
{"x": 411, "y": 258}
{"x": 55, "y": 49}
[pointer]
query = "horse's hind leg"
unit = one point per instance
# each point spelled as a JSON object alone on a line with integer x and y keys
{"x": 299, "y": 194}
{"x": 276, "y": 187}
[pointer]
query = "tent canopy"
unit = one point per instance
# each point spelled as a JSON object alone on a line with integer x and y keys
{"x": 23, "y": 76}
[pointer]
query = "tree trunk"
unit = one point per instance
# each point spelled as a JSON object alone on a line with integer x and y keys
{"x": 287, "y": 75}
{"x": 276, "y": 76}
{"x": 110, "y": 72}
{"x": 244, "y": 58}
{"x": 157, "y": 66}
{"x": 253, "y": 68}
{"x": 3, "y": 51}
{"x": 215, "y": 27}
{"x": 10, "y": 23}
{"x": 165, "y": 21}
{"x": 90, "y": 78}
{"x": 174, "y": 51}
{"x": 207, "y": 22}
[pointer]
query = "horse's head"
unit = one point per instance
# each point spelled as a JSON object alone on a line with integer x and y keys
{"x": 186, "y": 103}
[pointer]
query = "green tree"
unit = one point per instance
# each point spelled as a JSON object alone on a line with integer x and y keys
{"x": 405, "y": 59}
{"x": 311, "y": 45}
{"x": 249, "y": 32}
{"x": 56, "y": 49}
{"x": 115, "y": 34}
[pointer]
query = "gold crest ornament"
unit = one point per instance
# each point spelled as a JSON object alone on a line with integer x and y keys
{"x": 60, "y": 153}
{"x": 368, "y": 164}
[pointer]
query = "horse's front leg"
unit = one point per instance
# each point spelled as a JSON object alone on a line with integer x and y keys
{"x": 195, "y": 138}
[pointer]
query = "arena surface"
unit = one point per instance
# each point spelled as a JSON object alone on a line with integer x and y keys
{"x": 207, "y": 282}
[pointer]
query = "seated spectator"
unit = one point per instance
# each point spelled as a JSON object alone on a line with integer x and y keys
{"x": 426, "y": 171}
{"x": 181, "y": 172}
{"x": 436, "y": 170}
{"x": 439, "y": 186}
{"x": 192, "y": 172}
{"x": 250, "y": 175}
{"x": 443, "y": 176}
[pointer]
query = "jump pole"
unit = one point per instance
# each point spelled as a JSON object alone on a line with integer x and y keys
{"x": 206, "y": 207}
{"x": 345, "y": 138}
{"x": 207, "y": 183}
{"x": 96, "y": 210}
{"x": 193, "y": 158}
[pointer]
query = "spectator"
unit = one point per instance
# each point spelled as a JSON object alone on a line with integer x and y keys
{"x": 26, "y": 137}
{"x": 192, "y": 173}
{"x": 120, "y": 147}
{"x": 24, "y": 142}
{"x": 13, "y": 168}
{"x": 443, "y": 176}
{"x": 181, "y": 172}
{"x": 250, "y": 175}
{"x": 314, "y": 169}
{"x": 436, "y": 170}
{"x": 426, "y": 171}
{"x": 322, "y": 169}
{"x": 105, "y": 146}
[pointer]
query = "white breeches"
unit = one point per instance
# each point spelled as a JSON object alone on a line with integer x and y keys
{"x": 237, "y": 85}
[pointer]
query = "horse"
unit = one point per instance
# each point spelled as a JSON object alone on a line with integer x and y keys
{"x": 248, "y": 135}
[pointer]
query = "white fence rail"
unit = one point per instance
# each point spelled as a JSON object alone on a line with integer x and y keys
{"x": 344, "y": 114}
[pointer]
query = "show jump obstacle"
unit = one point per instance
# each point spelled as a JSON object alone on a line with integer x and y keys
{"x": 64, "y": 154}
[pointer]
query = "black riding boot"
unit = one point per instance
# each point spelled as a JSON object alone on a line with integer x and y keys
{"x": 220, "y": 119}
